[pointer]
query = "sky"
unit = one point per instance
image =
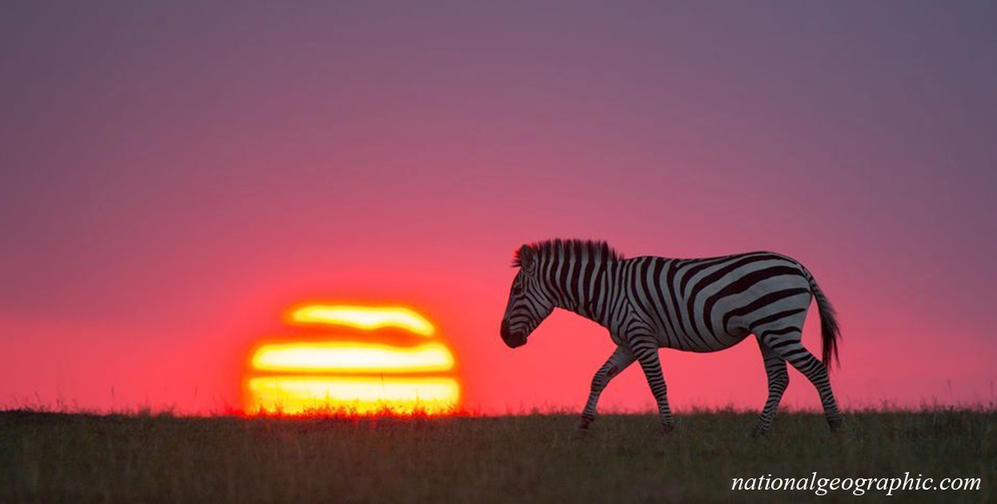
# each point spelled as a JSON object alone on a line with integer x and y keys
{"x": 175, "y": 175}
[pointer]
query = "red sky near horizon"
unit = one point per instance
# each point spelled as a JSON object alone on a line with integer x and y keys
{"x": 174, "y": 178}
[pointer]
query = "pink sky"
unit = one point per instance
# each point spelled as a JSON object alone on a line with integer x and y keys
{"x": 175, "y": 177}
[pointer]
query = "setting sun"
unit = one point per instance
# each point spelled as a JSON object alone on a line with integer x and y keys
{"x": 353, "y": 372}
{"x": 353, "y": 394}
{"x": 363, "y": 317}
{"x": 351, "y": 356}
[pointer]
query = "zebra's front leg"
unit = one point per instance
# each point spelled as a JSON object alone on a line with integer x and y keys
{"x": 645, "y": 349}
{"x": 616, "y": 363}
{"x": 778, "y": 380}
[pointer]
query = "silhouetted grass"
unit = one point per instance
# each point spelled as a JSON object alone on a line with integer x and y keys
{"x": 49, "y": 457}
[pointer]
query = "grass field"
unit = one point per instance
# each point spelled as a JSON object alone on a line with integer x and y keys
{"x": 139, "y": 458}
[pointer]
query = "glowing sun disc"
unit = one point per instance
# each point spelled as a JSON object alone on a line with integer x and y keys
{"x": 363, "y": 317}
{"x": 358, "y": 395}
{"x": 357, "y": 357}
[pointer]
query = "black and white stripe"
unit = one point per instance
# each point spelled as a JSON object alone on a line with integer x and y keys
{"x": 697, "y": 305}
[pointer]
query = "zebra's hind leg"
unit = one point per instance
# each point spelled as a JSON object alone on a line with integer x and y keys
{"x": 789, "y": 347}
{"x": 616, "y": 363}
{"x": 778, "y": 380}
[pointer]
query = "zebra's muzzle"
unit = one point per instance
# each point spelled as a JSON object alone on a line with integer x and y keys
{"x": 511, "y": 340}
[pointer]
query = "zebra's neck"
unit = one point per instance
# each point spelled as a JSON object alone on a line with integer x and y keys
{"x": 584, "y": 285}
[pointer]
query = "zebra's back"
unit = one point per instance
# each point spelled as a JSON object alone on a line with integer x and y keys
{"x": 708, "y": 304}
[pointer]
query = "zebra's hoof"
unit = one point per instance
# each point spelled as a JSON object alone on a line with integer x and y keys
{"x": 581, "y": 432}
{"x": 666, "y": 428}
{"x": 835, "y": 424}
{"x": 758, "y": 432}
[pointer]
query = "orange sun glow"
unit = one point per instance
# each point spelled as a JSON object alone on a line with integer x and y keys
{"x": 363, "y": 317}
{"x": 350, "y": 374}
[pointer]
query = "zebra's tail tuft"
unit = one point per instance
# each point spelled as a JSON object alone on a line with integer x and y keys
{"x": 829, "y": 330}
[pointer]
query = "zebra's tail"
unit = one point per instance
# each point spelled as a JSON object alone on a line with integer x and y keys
{"x": 829, "y": 330}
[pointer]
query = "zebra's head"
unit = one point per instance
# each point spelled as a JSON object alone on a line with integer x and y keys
{"x": 529, "y": 303}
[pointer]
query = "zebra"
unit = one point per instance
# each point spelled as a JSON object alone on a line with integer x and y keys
{"x": 695, "y": 305}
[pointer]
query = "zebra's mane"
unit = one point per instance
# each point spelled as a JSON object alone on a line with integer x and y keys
{"x": 570, "y": 248}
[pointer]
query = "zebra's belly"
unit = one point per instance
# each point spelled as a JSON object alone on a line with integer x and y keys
{"x": 702, "y": 343}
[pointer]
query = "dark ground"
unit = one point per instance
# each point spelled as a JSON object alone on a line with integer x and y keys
{"x": 52, "y": 457}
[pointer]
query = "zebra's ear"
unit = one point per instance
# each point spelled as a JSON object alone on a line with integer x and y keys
{"x": 526, "y": 257}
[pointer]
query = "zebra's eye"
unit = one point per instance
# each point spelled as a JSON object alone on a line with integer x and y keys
{"x": 517, "y": 289}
